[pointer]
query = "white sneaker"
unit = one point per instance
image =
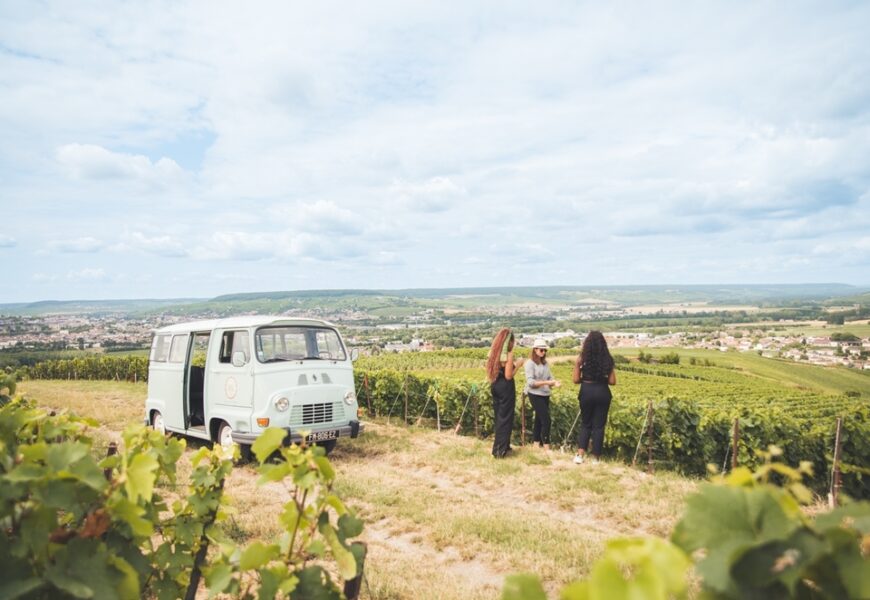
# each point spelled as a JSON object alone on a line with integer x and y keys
{"x": 578, "y": 459}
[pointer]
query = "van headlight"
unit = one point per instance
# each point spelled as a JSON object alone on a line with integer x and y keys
{"x": 350, "y": 397}
{"x": 282, "y": 404}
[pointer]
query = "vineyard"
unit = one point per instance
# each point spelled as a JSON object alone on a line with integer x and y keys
{"x": 693, "y": 411}
{"x": 693, "y": 406}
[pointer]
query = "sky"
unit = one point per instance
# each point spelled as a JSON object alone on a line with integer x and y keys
{"x": 191, "y": 149}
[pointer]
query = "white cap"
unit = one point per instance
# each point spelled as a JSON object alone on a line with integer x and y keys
{"x": 539, "y": 343}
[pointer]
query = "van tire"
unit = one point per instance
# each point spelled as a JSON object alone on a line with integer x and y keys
{"x": 157, "y": 423}
{"x": 328, "y": 446}
{"x": 224, "y": 435}
{"x": 225, "y": 432}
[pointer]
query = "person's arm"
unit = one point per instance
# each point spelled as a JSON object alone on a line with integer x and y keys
{"x": 509, "y": 365}
{"x": 578, "y": 371}
{"x": 611, "y": 379}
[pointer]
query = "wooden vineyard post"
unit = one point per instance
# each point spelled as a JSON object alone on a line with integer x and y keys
{"x": 352, "y": 587}
{"x": 523, "y": 419}
{"x": 476, "y": 417}
{"x": 649, "y": 442}
{"x": 735, "y": 440}
{"x": 437, "y": 416}
{"x": 836, "y": 481}
{"x": 406, "y": 399}
{"x": 112, "y": 450}
{"x": 368, "y": 394}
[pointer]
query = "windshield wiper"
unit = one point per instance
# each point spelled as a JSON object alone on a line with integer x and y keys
{"x": 312, "y": 358}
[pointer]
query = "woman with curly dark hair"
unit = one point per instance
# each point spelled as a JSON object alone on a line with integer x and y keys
{"x": 500, "y": 369}
{"x": 594, "y": 371}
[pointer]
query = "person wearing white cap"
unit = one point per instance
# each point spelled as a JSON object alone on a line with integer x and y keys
{"x": 539, "y": 384}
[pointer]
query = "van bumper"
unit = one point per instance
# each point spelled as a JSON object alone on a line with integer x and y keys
{"x": 352, "y": 430}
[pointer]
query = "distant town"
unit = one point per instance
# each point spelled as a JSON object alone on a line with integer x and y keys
{"x": 412, "y": 333}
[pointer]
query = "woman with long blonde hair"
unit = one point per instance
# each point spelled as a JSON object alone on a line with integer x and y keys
{"x": 500, "y": 369}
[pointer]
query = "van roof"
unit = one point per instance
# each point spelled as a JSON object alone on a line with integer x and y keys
{"x": 237, "y": 322}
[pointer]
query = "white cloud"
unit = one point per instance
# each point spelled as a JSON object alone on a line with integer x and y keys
{"x": 7, "y": 241}
{"x": 85, "y": 245}
{"x": 433, "y": 195}
{"x": 240, "y": 245}
{"x": 161, "y": 245}
{"x": 86, "y": 275}
{"x": 326, "y": 218}
{"x": 90, "y": 162}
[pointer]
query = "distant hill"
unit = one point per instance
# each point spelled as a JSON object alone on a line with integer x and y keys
{"x": 90, "y": 307}
{"x": 281, "y": 301}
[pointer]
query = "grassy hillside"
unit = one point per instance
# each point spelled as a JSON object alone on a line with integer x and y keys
{"x": 443, "y": 519}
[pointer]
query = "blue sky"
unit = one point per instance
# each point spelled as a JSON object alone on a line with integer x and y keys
{"x": 199, "y": 148}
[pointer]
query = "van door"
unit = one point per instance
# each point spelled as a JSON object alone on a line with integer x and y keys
{"x": 195, "y": 386}
{"x": 174, "y": 373}
{"x": 231, "y": 383}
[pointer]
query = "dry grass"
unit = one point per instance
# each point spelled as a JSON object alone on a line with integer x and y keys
{"x": 443, "y": 519}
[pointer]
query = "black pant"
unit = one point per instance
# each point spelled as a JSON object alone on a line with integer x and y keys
{"x": 504, "y": 399}
{"x": 541, "y": 429}
{"x": 594, "y": 405}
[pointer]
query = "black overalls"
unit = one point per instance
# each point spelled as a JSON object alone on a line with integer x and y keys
{"x": 504, "y": 399}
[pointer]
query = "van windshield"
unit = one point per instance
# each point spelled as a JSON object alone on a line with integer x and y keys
{"x": 275, "y": 344}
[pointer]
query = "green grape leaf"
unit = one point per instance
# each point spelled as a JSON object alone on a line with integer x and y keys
{"x": 523, "y": 586}
{"x": 325, "y": 467}
{"x": 131, "y": 514}
{"x": 128, "y": 586}
{"x": 269, "y": 441}
{"x": 59, "y": 456}
{"x": 217, "y": 578}
{"x": 343, "y": 557}
{"x": 314, "y": 584}
{"x": 141, "y": 475}
{"x": 20, "y": 587}
{"x": 273, "y": 472}
{"x": 82, "y": 569}
{"x": 89, "y": 474}
{"x": 349, "y": 526}
{"x": 256, "y": 555}
{"x": 578, "y": 590}
{"x": 775, "y": 562}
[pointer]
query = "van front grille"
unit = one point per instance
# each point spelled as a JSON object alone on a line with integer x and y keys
{"x": 316, "y": 413}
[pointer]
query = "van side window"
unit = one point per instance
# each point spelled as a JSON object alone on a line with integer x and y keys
{"x": 160, "y": 348}
{"x": 178, "y": 349}
{"x": 232, "y": 342}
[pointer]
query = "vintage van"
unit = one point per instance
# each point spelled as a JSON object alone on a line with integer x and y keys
{"x": 227, "y": 380}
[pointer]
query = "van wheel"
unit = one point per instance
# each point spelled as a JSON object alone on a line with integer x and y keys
{"x": 225, "y": 436}
{"x": 328, "y": 445}
{"x": 157, "y": 423}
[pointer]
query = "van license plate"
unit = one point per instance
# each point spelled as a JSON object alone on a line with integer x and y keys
{"x": 323, "y": 435}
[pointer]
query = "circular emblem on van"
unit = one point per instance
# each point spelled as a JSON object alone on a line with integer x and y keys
{"x": 231, "y": 387}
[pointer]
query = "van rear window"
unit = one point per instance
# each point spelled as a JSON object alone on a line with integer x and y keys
{"x": 275, "y": 344}
{"x": 160, "y": 348}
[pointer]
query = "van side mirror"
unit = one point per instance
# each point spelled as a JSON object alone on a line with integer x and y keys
{"x": 354, "y": 354}
{"x": 239, "y": 359}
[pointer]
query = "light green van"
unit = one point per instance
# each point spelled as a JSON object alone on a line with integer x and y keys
{"x": 227, "y": 380}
